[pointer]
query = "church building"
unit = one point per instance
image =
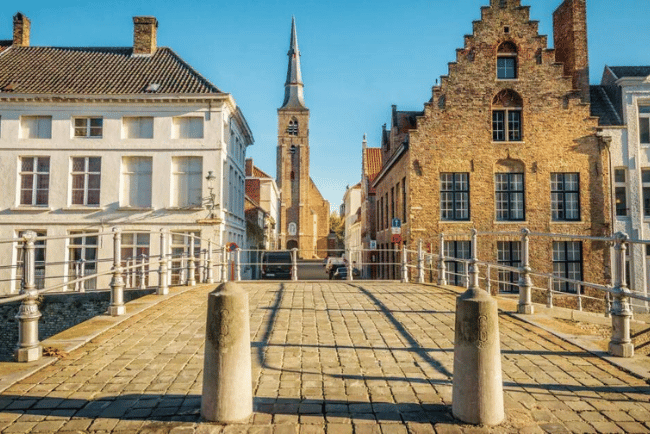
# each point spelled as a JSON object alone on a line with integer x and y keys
{"x": 304, "y": 214}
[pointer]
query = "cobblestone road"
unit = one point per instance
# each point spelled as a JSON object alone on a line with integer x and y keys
{"x": 335, "y": 358}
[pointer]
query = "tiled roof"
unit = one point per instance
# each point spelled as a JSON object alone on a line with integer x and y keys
{"x": 602, "y": 107}
{"x": 258, "y": 173}
{"x": 98, "y": 71}
{"x": 372, "y": 167}
{"x": 630, "y": 71}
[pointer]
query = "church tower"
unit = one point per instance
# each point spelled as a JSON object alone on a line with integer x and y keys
{"x": 296, "y": 226}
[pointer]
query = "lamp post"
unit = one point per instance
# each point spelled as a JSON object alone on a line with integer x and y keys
{"x": 211, "y": 198}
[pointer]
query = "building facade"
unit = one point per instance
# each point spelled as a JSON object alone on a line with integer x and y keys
{"x": 304, "y": 214}
{"x": 370, "y": 168}
{"x": 622, "y": 104}
{"x": 89, "y": 143}
{"x": 352, "y": 221}
{"x": 506, "y": 142}
{"x": 263, "y": 191}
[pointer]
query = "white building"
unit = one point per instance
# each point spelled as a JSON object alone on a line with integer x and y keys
{"x": 264, "y": 191}
{"x": 352, "y": 217}
{"x": 93, "y": 138}
{"x": 622, "y": 102}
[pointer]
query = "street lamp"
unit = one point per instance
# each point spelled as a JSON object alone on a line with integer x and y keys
{"x": 211, "y": 198}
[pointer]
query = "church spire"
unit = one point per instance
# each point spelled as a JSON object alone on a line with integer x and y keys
{"x": 293, "y": 87}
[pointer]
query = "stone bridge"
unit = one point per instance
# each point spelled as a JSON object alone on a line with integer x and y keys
{"x": 338, "y": 358}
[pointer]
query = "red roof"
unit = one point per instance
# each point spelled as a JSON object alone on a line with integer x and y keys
{"x": 372, "y": 162}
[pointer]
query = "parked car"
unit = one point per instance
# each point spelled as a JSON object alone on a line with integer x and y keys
{"x": 332, "y": 263}
{"x": 276, "y": 265}
{"x": 341, "y": 272}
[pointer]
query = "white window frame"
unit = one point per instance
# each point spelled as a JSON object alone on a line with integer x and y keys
{"x": 454, "y": 196}
{"x": 507, "y": 200}
{"x": 621, "y": 187}
{"x": 645, "y": 192}
{"x": 83, "y": 127}
{"x": 564, "y": 193}
{"x": 188, "y": 127}
{"x": 187, "y": 182}
{"x": 41, "y": 127}
{"x": 136, "y": 181}
{"x": 644, "y": 119}
{"x": 35, "y": 176}
{"x": 143, "y": 125}
{"x": 83, "y": 250}
{"x": 86, "y": 175}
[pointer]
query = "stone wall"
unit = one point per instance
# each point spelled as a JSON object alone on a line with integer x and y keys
{"x": 60, "y": 312}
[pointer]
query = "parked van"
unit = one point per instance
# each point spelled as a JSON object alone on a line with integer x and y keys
{"x": 276, "y": 265}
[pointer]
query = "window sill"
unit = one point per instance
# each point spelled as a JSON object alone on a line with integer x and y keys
{"x": 566, "y": 222}
{"x": 508, "y": 79}
{"x": 186, "y": 209}
{"x": 134, "y": 208}
{"x": 87, "y": 137}
{"x": 82, "y": 208}
{"x": 442, "y": 222}
{"x": 508, "y": 142}
{"x": 510, "y": 222}
{"x": 28, "y": 208}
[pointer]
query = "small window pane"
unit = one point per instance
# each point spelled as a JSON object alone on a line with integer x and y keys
{"x": 619, "y": 175}
{"x": 645, "y": 175}
{"x": 644, "y": 130}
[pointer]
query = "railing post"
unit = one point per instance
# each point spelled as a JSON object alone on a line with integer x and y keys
{"x": 579, "y": 289}
{"x": 116, "y": 306}
{"x": 163, "y": 286}
{"x": 210, "y": 264}
{"x": 608, "y": 305}
{"x": 238, "y": 264}
{"x": 294, "y": 264}
{"x": 442, "y": 270}
{"x": 224, "y": 264}
{"x": 525, "y": 284}
{"x": 191, "y": 264}
{"x": 620, "y": 344}
{"x": 405, "y": 270}
{"x": 78, "y": 286}
{"x": 420, "y": 262}
{"x": 29, "y": 348}
{"x": 488, "y": 284}
{"x": 143, "y": 271}
{"x": 549, "y": 295}
{"x": 348, "y": 254}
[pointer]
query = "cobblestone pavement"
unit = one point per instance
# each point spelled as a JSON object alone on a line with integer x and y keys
{"x": 335, "y": 358}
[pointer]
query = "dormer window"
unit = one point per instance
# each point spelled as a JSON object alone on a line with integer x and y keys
{"x": 507, "y": 61}
{"x": 506, "y": 117}
{"x": 292, "y": 129}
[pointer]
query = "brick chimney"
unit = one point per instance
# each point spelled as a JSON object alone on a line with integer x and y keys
{"x": 249, "y": 167}
{"x": 144, "y": 35}
{"x": 570, "y": 38}
{"x": 21, "y": 30}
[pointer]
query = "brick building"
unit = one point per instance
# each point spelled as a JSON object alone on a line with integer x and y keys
{"x": 506, "y": 142}
{"x": 304, "y": 214}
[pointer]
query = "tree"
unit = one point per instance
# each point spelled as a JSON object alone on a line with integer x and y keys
{"x": 337, "y": 225}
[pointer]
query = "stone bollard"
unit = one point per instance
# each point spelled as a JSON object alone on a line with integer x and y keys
{"x": 227, "y": 379}
{"x": 477, "y": 394}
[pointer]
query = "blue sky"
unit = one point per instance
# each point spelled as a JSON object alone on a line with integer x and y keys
{"x": 358, "y": 57}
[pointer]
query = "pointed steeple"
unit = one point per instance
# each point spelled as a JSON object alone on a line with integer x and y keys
{"x": 293, "y": 87}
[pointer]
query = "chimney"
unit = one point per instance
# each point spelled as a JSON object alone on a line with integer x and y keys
{"x": 249, "y": 167}
{"x": 570, "y": 39}
{"x": 21, "y": 30}
{"x": 144, "y": 35}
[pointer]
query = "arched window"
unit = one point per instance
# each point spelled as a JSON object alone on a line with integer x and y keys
{"x": 506, "y": 117}
{"x": 292, "y": 129}
{"x": 507, "y": 61}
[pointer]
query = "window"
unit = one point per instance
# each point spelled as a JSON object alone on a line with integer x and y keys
{"x": 506, "y": 117}
{"x": 565, "y": 196}
{"x": 645, "y": 180}
{"x": 188, "y": 127}
{"x": 36, "y": 127}
{"x": 404, "y": 213}
{"x": 509, "y": 254}
{"x": 88, "y": 127}
{"x": 510, "y": 196}
{"x": 82, "y": 252}
{"x": 620, "y": 192}
{"x": 34, "y": 181}
{"x": 644, "y": 125}
{"x": 567, "y": 263}
{"x": 292, "y": 128}
{"x": 186, "y": 178}
{"x": 507, "y": 60}
{"x": 455, "y": 269}
{"x": 134, "y": 245}
{"x": 392, "y": 203}
{"x": 86, "y": 180}
{"x": 138, "y": 127}
{"x": 39, "y": 261}
{"x": 180, "y": 249}
{"x": 136, "y": 182}
{"x": 454, "y": 196}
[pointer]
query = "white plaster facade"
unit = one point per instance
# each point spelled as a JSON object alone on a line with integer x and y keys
{"x": 630, "y": 159}
{"x": 221, "y": 150}
{"x": 352, "y": 218}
